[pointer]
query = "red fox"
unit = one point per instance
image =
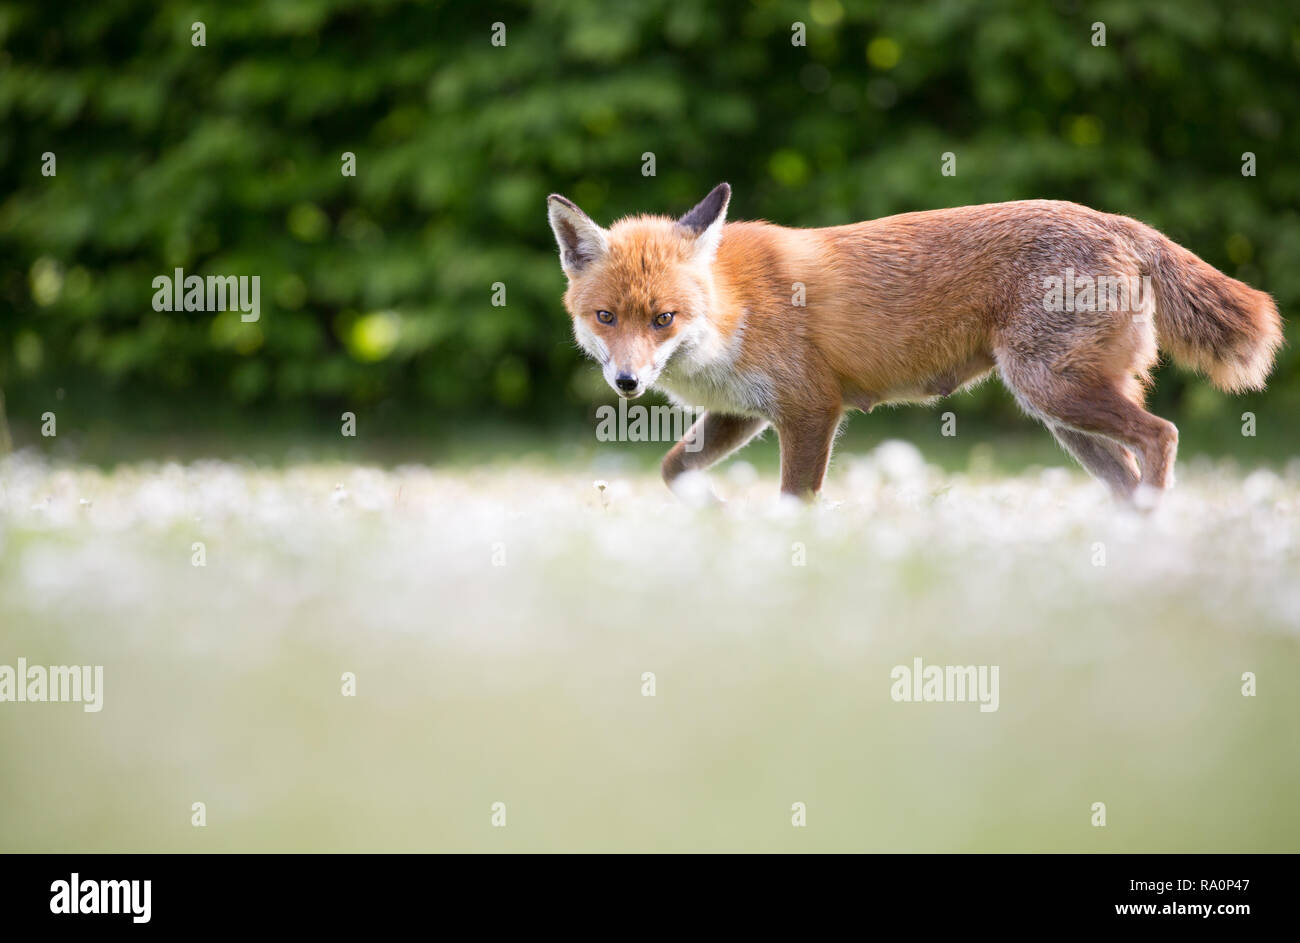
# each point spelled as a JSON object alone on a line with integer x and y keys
{"x": 758, "y": 324}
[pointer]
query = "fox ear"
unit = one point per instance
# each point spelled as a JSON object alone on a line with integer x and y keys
{"x": 581, "y": 240}
{"x": 705, "y": 221}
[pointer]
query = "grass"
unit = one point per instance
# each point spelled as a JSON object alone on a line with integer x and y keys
{"x": 771, "y": 632}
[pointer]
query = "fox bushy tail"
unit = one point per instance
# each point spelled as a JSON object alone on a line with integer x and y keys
{"x": 1209, "y": 322}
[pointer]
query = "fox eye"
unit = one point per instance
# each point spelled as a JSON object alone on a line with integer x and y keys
{"x": 605, "y": 317}
{"x": 663, "y": 320}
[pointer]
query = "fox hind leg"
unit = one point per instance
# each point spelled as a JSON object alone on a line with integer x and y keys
{"x": 1108, "y": 461}
{"x": 1097, "y": 406}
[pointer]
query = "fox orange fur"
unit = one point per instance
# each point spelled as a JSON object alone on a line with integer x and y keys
{"x": 760, "y": 324}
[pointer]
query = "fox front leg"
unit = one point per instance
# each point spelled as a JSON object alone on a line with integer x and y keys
{"x": 806, "y": 451}
{"x": 712, "y": 438}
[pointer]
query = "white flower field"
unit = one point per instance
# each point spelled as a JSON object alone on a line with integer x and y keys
{"x": 622, "y": 670}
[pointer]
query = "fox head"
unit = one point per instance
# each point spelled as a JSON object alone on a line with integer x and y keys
{"x": 640, "y": 292}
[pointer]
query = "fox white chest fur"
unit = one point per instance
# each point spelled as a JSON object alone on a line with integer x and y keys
{"x": 717, "y": 386}
{"x": 701, "y": 372}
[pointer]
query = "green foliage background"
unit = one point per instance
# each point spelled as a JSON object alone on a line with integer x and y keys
{"x": 376, "y": 289}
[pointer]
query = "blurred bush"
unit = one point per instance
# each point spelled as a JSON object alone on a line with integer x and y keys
{"x": 226, "y": 159}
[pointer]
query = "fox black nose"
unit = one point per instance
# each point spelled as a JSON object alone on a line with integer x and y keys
{"x": 625, "y": 382}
